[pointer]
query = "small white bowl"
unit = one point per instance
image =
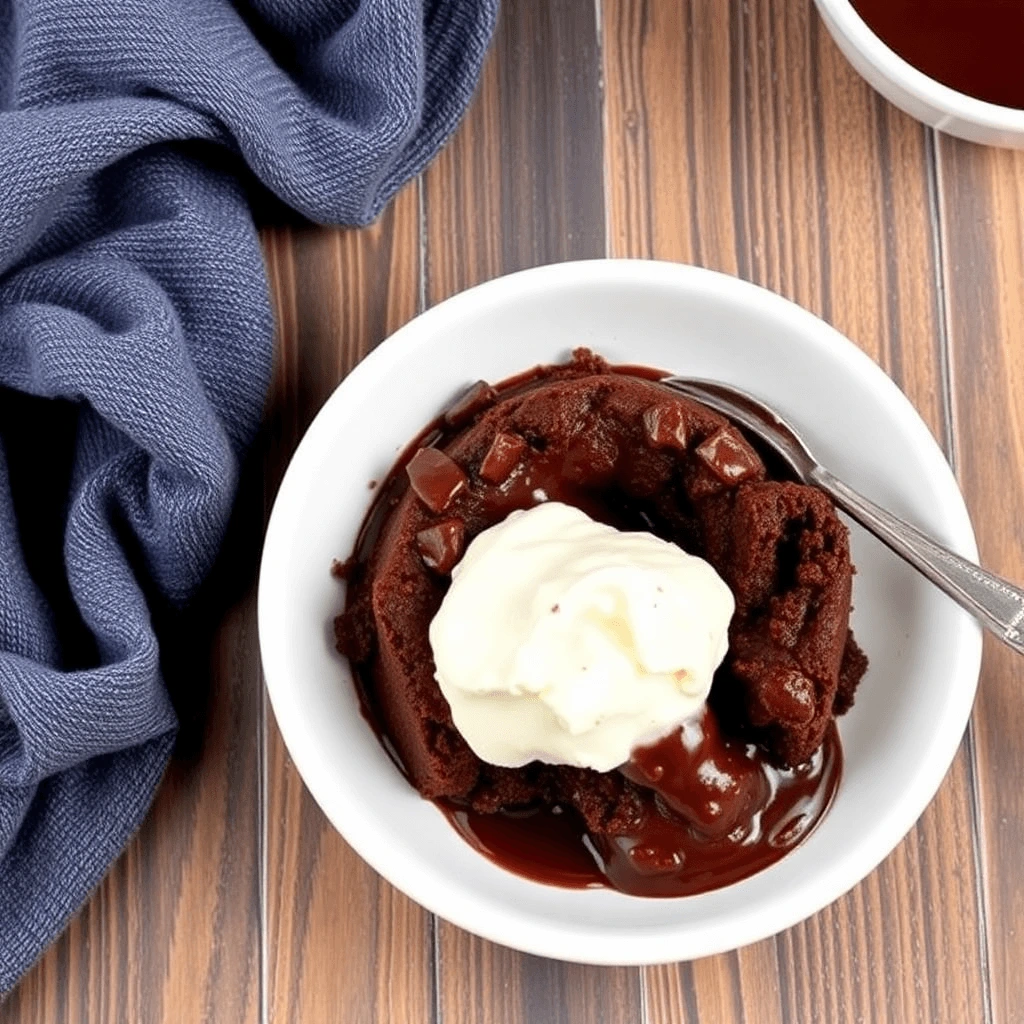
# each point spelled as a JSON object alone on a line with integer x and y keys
{"x": 925, "y": 652}
{"x": 915, "y": 92}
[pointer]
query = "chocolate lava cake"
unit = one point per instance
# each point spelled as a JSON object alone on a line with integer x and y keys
{"x": 632, "y": 454}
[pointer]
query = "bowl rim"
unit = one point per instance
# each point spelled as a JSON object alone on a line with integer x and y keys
{"x": 569, "y": 941}
{"x": 846, "y": 19}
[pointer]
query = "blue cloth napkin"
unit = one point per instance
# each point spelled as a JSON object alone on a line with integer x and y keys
{"x": 135, "y": 352}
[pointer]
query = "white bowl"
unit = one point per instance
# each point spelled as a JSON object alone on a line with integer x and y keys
{"x": 912, "y": 706}
{"x": 915, "y": 92}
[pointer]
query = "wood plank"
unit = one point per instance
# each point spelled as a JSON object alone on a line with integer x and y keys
{"x": 172, "y": 933}
{"x": 982, "y": 195}
{"x": 340, "y": 943}
{"x": 520, "y": 185}
{"x": 739, "y": 138}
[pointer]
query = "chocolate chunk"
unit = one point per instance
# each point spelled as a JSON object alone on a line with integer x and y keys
{"x": 440, "y": 545}
{"x": 729, "y": 456}
{"x": 476, "y": 399}
{"x": 505, "y": 454}
{"x": 665, "y": 426}
{"x": 435, "y": 478}
{"x": 788, "y": 696}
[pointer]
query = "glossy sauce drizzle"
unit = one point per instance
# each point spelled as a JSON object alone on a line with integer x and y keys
{"x": 716, "y": 811}
{"x": 973, "y": 46}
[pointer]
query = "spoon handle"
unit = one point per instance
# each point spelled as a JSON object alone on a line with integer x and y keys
{"x": 995, "y": 601}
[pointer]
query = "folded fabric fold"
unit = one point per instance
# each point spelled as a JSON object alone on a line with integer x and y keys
{"x": 135, "y": 352}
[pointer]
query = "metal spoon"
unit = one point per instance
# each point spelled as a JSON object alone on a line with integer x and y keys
{"x": 996, "y": 602}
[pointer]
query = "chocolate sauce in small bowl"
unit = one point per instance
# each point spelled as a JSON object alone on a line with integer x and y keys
{"x": 972, "y": 46}
{"x": 720, "y": 813}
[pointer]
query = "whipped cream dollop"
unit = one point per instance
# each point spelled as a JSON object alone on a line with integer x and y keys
{"x": 565, "y": 640}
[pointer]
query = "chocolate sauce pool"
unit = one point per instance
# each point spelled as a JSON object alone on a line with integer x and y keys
{"x": 970, "y": 45}
{"x": 720, "y": 814}
{"x": 715, "y": 809}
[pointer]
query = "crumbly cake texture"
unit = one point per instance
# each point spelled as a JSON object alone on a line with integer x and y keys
{"x": 630, "y": 453}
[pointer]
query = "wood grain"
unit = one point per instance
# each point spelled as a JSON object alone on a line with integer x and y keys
{"x": 340, "y": 943}
{"x": 739, "y": 138}
{"x": 982, "y": 195}
{"x": 520, "y": 185}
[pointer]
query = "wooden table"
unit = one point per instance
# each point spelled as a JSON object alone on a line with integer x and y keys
{"x": 728, "y": 134}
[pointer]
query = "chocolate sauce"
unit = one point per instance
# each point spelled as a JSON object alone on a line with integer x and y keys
{"x": 720, "y": 813}
{"x": 971, "y": 45}
{"x": 545, "y": 844}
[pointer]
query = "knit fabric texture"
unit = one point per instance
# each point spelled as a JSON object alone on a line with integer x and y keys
{"x": 135, "y": 352}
